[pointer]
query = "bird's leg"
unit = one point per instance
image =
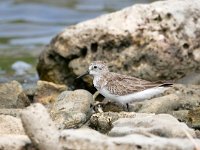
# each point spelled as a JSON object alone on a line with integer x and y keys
{"x": 95, "y": 95}
{"x": 127, "y": 106}
{"x": 98, "y": 105}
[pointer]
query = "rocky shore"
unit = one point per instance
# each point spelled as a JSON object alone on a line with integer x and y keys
{"x": 71, "y": 119}
{"x": 158, "y": 41}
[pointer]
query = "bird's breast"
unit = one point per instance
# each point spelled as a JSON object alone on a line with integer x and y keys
{"x": 99, "y": 83}
{"x": 96, "y": 83}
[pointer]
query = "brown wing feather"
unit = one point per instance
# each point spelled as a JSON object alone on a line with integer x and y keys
{"x": 122, "y": 84}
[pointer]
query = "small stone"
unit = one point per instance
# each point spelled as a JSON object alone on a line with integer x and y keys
{"x": 23, "y": 100}
{"x": 30, "y": 92}
{"x": 72, "y": 108}
{"x": 47, "y": 92}
{"x": 103, "y": 121}
{"x": 12, "y": 96}
{"x": 194, "y": 118}
{"x": 10, "y": 125}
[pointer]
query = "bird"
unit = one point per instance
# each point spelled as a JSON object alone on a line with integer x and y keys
{"x": 121, "y": 88}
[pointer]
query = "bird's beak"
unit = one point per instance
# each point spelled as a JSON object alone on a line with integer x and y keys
{"x": 84, "y": 74}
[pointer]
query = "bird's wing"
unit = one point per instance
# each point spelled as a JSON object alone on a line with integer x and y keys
{"x": 122, "y": 84}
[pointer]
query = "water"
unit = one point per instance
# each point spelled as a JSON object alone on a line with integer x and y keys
{"x": 26, "y": 26}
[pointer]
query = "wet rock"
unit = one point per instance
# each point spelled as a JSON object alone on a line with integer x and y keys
{"x": 193, "y": 117}
{"x": 72, "y": 108}
{"x": 163, "y": 125}
{"x": 103, "y": 121}
{"x": 15, "y": 142}
{"x": 11, "y": 95}
{"x": 40, "y": 128}
{"x": 177, "y": 101}
{"x": 91, "y": 139}
{"x": 10, "y": 125}
{"x": 153, "y": 42}
{"x": 47, "y": 92}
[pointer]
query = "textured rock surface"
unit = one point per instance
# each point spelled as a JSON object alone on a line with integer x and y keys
{"x": 10, "y": 125}
{"x": 10, "y": 94}
{"x": 153, "y": 41}
{"x": 163, "y": 125}
{"x": 103, "y": 121}
{"x": 47, "y": 92}
{"x": 72, "y": 108}
{"x": 40, "y": 128}
{"x": 91, "y": 139}
{"x": 194, "y": 118}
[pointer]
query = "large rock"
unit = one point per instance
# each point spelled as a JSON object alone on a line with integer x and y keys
{"x": 12, "y": 96}
{"x": 163, "y": 125}
{"x": 91, "y": 139}
{"x": 151, "y": 41}
{"x": 72, "y": 108}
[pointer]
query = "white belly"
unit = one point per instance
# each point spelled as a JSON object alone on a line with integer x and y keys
{"x": 138, "y": 96}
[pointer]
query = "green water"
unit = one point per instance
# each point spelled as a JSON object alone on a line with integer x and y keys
{"x": 7, "y": 61}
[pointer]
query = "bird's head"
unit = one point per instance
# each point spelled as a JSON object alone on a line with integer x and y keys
{"x": 96, "y": 68}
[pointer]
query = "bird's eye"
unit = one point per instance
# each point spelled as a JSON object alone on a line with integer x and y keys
{"x": 95, "y": 67}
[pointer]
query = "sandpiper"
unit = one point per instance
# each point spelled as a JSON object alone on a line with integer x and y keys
{"x": 122, "y": 88}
